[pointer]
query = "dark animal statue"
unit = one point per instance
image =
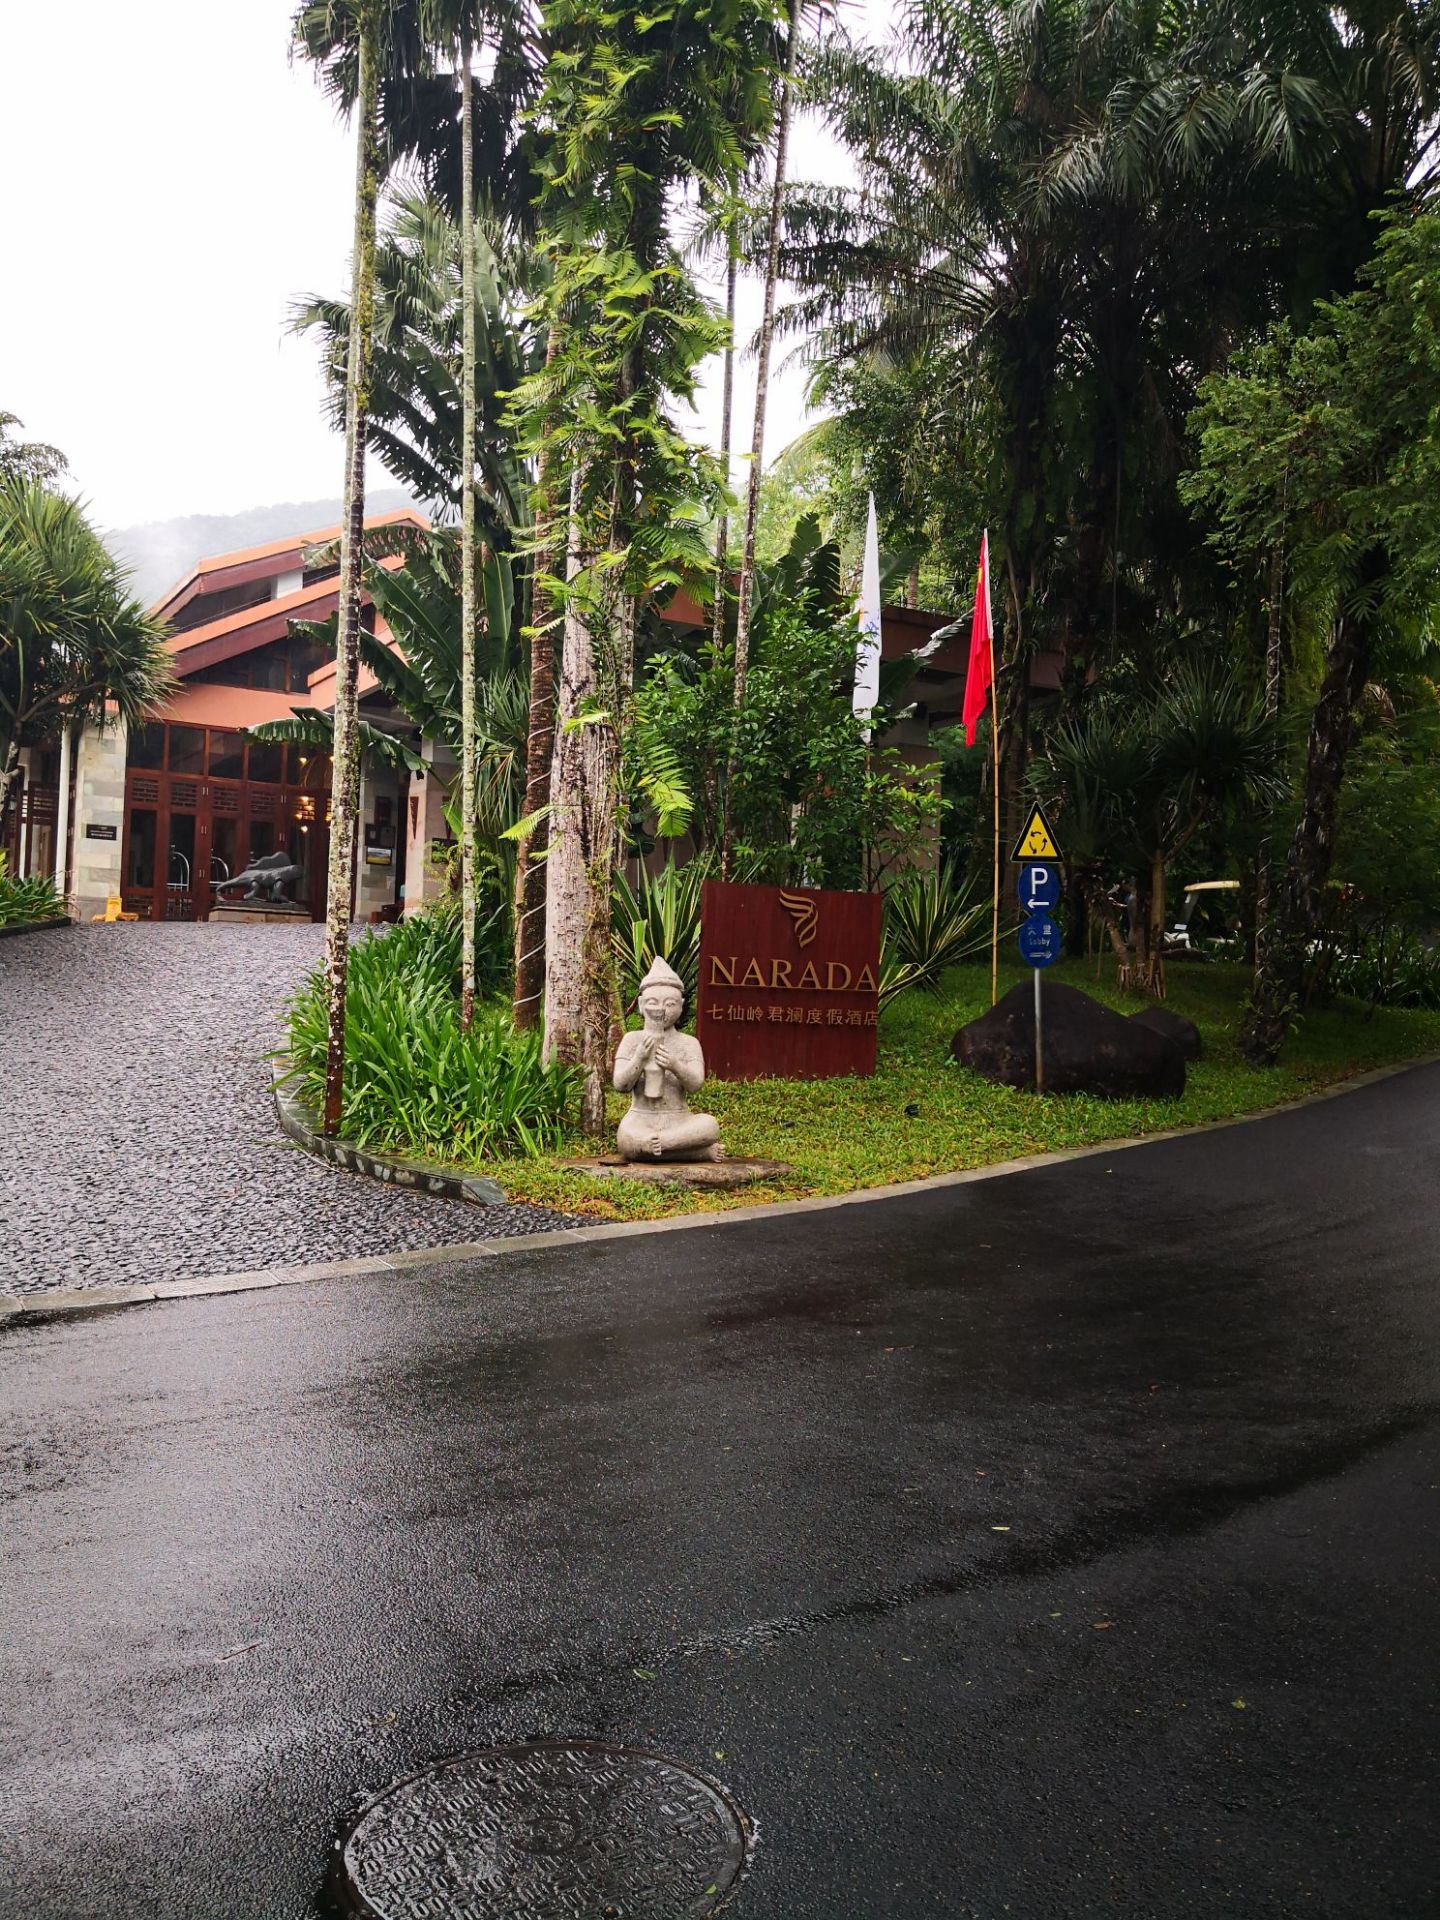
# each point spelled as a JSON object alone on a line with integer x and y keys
{"x": 266, "y": 879}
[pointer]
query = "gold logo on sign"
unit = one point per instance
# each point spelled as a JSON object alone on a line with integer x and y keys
{"x": 804, "y": 913}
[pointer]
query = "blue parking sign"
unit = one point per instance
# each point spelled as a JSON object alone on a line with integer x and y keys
{"x": 1038, "y": 886}
{"x": 1040, "y": 940}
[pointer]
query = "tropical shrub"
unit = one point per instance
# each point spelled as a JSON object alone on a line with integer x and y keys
{"x": 24, "y": 903}
{"x": 1388, "y": 967}
{"x": 426, "y": 946}
{"x": 414, "y": 1081}
{"x": 810, "y": 801}
{"x": 658, "y": 915}
{"x": 932, "y": 921}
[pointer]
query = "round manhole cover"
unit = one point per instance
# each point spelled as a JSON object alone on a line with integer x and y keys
{"x": 548, "y": 1831}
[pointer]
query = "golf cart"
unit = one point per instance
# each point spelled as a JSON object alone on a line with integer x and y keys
{"x": 1208, "y": 921}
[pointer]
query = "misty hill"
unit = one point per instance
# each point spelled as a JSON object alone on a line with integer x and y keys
{"x": 163, "y": 551}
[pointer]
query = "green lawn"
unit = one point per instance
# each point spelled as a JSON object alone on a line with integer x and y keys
{"x": 841, "y": 1134}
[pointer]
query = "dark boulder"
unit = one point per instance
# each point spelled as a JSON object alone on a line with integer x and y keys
{"x": 1176, "y": 1028}
{"x": 1088, "y": 1049}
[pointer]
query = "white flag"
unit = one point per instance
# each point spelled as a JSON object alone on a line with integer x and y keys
{"x": 867, "y": 652}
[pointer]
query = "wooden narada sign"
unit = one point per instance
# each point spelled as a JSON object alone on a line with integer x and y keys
{"x": 789, "y": 982}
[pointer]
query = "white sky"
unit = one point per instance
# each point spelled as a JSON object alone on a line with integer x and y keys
{"x": 171, "y": 184}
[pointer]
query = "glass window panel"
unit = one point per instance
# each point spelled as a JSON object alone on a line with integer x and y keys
{"x": 224, "y": 849}
{"x": 182, "y": 851}
{"x": 307, "y": 767}
{"x": 266, "y": 761}
{"x": 227, "y": 755}
{"x": 141, "y": 870}
{"x": 146, "y": 746}
{"x": 305, "y": 656}
{"x": 187, "y": 749}
{"x": 229, "y": 673}
{"x": 262, "y": 839}
{"x": 268, "y": 669}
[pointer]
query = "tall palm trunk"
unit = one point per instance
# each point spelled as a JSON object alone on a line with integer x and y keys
{"x": 746, "y": 595}
{"x": 727, "y": 409}
{"x": 9, "y": 768}
{"x": 467, "y": 540}
{"x": 1274, "y": 673}
{"x": 345, "y": 767}
{"x": 539, "y": 752}
{"x": 1299, "y": 898}
{"x": 579, "y": 969}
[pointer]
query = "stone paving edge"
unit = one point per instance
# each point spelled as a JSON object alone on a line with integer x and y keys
{"x": 298, "y": 1122}
{"x": 73, "y": 1302}
{"x": 35, "y": 926}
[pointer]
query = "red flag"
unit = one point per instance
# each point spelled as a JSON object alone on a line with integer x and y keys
{"x": 982, "y": 656}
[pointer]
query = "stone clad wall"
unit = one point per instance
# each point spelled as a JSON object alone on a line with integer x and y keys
{"x": 375, "y": 885}
{"x": 423, "y": 824}
{"x": 99, "y": 801}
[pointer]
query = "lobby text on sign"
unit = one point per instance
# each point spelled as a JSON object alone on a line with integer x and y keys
{"x": 789, "y": 982}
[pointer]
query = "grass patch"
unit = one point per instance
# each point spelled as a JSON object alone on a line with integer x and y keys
{"x": 839, "y": 1135}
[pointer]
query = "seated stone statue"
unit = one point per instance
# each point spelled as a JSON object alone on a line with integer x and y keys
{"x": 658, "y": 1067}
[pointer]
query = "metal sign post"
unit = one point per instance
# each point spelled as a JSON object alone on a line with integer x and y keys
{"x": 1039, "y": 1050}
{"x": 1039, "y": 891}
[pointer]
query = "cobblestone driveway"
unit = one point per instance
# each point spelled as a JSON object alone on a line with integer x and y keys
{"x": 139, "y": 1139}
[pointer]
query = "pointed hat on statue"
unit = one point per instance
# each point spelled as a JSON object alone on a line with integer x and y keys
{"x": 662, "y": 974}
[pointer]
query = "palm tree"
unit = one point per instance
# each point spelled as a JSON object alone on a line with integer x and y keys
{"x": 1065, "y": 217}
{"x": 347, "y": 47}
{"x": 639, "y": 110}
{"x": 510, "y": 194}
{"x": 421, "y": 121}
{"x": 727, "y": 408}
{"x": 1133, "y": 781}
{"x": 414, "y": 421}
{"x": 416, "y": 410}
{"x": 467, "y": 536}
{"x": 75, "y": 645}
{"x": 458, "y": 24}
{"x": 746, "y": 586}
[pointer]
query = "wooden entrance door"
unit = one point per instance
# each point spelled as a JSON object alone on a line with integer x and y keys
{"x": 187, "y": 850}
{"x": 186, "y": 830}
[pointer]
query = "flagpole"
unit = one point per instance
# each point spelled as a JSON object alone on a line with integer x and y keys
{"x": 994, "y": 786}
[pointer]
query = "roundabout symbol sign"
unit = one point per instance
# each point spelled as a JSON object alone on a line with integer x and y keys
{"x": 1038, "y": 886}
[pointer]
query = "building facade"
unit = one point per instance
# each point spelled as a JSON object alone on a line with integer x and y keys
{"x": 157, "y": 817}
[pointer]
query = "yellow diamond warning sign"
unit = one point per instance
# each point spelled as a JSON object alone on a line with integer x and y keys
{"x": 1036, "y": 842}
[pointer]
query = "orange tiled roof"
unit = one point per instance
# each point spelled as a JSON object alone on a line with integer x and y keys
{"x": 299, "y": 541}
{"x": 250, "y": 560}
{"x": 224, "y": 638}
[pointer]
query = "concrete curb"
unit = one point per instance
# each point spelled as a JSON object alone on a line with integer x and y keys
{"x": 35, "y": 926}
{"x": 392, "y": 1169}
{"x": 29, "y": 1309}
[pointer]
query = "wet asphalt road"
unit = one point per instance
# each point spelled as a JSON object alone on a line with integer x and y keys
{"x": 1063, "y": 1544}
